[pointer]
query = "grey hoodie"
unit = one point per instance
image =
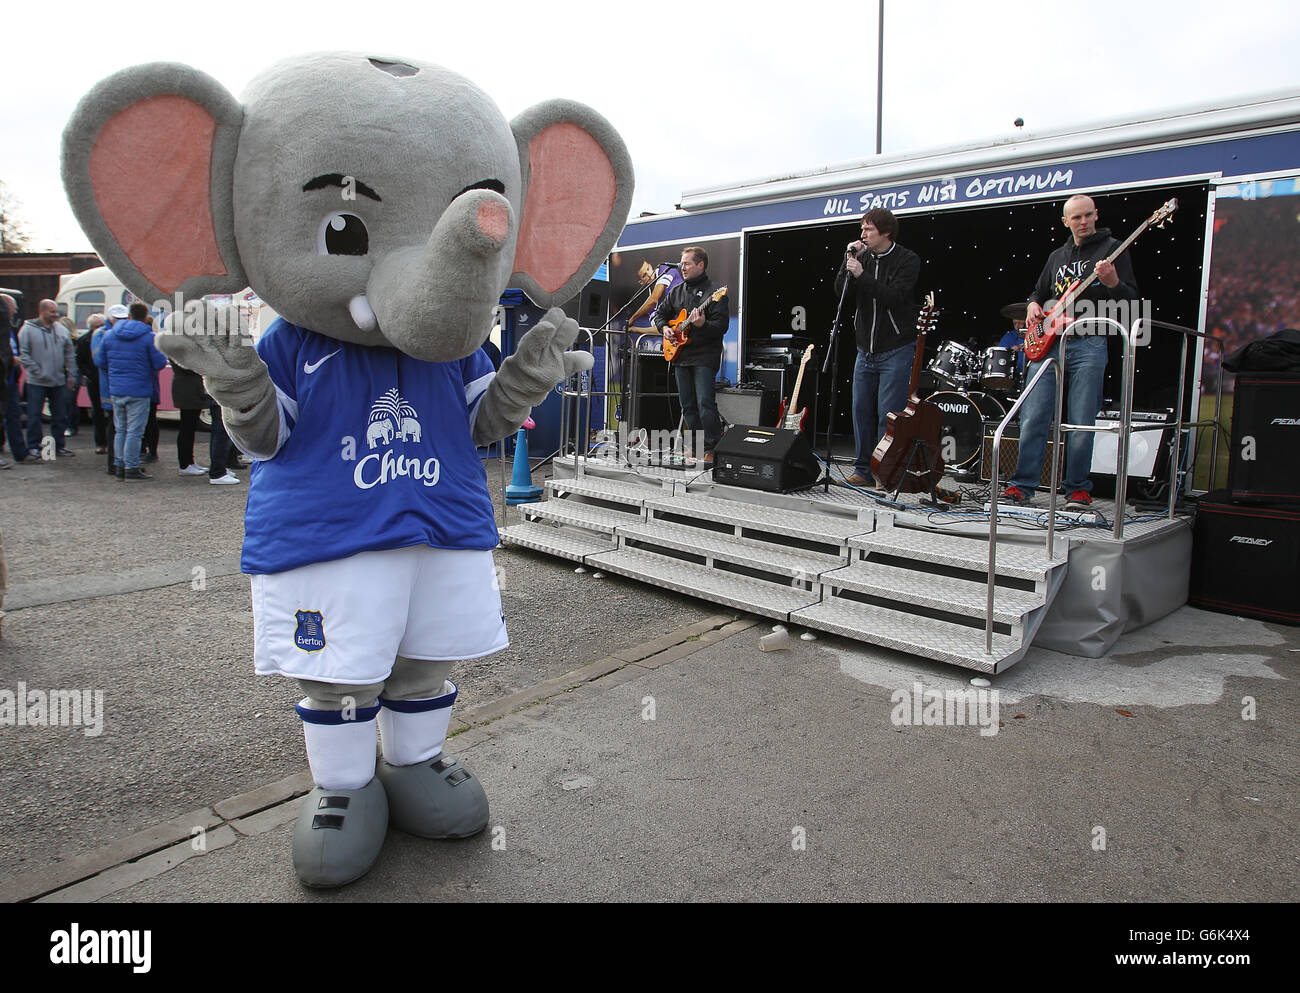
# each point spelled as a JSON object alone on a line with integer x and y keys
{"x": 47, "y": 354}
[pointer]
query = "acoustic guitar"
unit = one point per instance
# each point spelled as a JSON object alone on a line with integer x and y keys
{"x": 920, "y": 422}
{"x": 679, "y": 328}
{"x": 1040, "y": 335}
{"x": 794, "y": 421}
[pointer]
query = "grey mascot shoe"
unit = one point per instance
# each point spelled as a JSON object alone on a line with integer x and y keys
{"x": 439, "y": 798}
{"x": 339, "y": 834}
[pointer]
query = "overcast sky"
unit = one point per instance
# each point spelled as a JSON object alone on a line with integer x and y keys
{"x": 761, "y": 88}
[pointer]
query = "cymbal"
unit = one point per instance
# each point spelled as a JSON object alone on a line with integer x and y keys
{"x": 1017, "y": 311}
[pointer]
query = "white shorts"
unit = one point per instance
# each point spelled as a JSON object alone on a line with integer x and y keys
{"x": 345, "y": 621}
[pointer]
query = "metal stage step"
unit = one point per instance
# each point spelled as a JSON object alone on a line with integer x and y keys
{"x": 866, "y": 578}
{"x": 741, "y": 592}
{"x": 933, "y": 591}
{"x": 717, "y": 547}
{"x": 581, "y": 515}
{"x": 608, "y": 490}
{"x": 752, "y": 520}
{"x": 923, "y": 636}
{"x": 956, "y": 551}
{"x": 564, "y": 542}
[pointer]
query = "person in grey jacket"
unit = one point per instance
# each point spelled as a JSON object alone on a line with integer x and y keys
{"x": 47, "y": 354}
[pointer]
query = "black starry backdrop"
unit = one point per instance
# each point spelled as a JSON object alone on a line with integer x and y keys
{"x": 977, "y": 260}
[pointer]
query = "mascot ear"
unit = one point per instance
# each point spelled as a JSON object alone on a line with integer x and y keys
{"x": 148, "y": 161}
{"x": 577, "y": 192}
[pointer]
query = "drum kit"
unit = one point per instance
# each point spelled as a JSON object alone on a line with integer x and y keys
{"x": 974, "y": 387}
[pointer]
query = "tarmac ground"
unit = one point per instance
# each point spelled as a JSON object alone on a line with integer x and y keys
{"x": 635, "y": 744}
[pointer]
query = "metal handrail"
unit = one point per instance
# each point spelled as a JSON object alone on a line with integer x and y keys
{"x": 1051, "y": 362}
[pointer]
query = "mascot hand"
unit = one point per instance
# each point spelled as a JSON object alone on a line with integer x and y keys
{"x": 529, "y": 374}
{"x": 541, "y": 360}
{"x": 216, "y": 344}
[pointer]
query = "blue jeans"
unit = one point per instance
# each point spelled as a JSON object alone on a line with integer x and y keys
{"x": 36, "y": 397}
{"x": 695, "y": 388}
{"x": 1085, "y": 371}
{"x": 129, "y": 417}
{"x": 14, "y": 424}
{"x": 880, "y": 384}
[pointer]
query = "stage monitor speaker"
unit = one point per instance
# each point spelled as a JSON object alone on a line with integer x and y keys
{"x": 1246, "y": 559}
{"x": 1262, "y": 464}
{"x": 771, "y": 459}
{"x": 1007, "y": 456}
{"x": 747, "y": 407}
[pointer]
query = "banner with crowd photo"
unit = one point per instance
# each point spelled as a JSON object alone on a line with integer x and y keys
{"x": 1254, "y": 288}
{"x": 634, "y": 275}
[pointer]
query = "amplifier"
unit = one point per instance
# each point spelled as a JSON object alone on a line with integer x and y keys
{"x": 771, "y": 459}
{"x": 1262, "y": 465}
{"x": 1246, "y": 559}
{"x": 739, "y": 405}
{"x": 1007, "y": 455}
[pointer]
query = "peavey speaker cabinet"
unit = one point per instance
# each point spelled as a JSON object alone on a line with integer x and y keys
{"x": 1246, "y": 559}
{"x": 771, "y": 459}
{"x": 1263, "y": 467}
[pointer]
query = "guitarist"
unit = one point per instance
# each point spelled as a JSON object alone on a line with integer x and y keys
{"x": 697, "y": 362}
{"x": 1085, "y": 361}
{"x": 881, "y": 276}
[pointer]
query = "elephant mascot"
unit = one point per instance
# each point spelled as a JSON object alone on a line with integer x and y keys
{"x": 381, "y": 207}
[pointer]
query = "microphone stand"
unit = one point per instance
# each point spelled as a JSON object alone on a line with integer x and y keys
{"x": 832, "y": 362}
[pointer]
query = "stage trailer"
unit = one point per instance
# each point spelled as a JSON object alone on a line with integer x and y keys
{"x": 984, "y": 217}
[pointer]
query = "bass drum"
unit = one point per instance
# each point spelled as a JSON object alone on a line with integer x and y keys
{"x": 962, "y": 436}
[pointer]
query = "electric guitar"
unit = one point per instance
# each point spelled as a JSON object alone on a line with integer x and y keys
{"x": 794, "y": 421}
{"x": 679, "y": 328}
{"x": 1041, "y": 335}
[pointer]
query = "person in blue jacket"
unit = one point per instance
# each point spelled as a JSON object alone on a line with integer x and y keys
{"x": 132, "y": 360}
{"x": 116, "y": 313}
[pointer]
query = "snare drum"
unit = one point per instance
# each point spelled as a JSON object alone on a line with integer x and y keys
{"x": 956, "y": 365}
{"x": 962, "y": 435}
{"x": 999, "y": 369}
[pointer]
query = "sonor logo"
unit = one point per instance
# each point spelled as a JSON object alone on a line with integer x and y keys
{"x": 1289, "y": 422}
{"x": 951, "y": 408}
{"x": 1251, "y": 541}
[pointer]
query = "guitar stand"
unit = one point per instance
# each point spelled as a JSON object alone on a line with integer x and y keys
{"x": 918, "y": 448}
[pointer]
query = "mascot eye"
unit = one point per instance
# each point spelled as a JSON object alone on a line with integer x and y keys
{"x": 342, "y": 234}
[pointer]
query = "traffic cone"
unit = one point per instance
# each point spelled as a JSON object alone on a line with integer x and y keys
{"x": 521, "y": 488}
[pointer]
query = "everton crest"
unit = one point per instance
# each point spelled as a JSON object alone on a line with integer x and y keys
{"x": 310, "y": 634}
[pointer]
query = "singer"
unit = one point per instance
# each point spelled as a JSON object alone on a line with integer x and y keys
{"x": 881, "y": 277}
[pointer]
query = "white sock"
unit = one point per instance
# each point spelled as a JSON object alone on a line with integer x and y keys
{"x": 413, "y": 731}
{"x": 341, "y": 752}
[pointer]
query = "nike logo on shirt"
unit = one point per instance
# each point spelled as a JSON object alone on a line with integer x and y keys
{"x": 310, "y": 367}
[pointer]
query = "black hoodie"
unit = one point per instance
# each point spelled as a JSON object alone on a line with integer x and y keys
{"x": 1071, "y": 262}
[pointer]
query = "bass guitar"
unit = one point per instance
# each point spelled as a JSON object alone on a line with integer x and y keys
{"x": 912, "y": 435}
{"x": 1042, "y": 334}
{"x": 679, "y": 328}
{"x": 794, "y": 421}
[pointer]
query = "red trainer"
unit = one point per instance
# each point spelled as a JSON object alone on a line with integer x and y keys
{"x": 1079, "y": 500}
{"x": 1014, "y": 494}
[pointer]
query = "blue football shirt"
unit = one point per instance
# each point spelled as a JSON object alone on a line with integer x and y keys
{"x": 375, "y": 451}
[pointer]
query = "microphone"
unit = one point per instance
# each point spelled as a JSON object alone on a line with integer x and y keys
{"x": 671, "y": 265}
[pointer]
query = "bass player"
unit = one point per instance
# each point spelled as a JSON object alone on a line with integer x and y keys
{"x": 1084, "y": 367}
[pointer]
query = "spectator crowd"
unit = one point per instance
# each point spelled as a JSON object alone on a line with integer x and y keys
{"x": 45, "y": 363}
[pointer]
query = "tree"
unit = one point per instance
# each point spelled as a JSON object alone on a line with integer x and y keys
{"x": 14, "y": 236}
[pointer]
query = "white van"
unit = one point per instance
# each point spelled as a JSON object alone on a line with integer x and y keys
{"x": 83, "y": 294}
